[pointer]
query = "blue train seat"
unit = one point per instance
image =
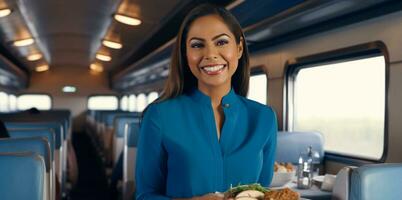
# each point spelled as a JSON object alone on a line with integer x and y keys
{"x": 22, "y": 176}
{"x": 118, "y": 136}
{"x": 376, "y": 181}
{"x": 291, "y": 144}
{"x": 40, "y": 132}
{"x": 131, "y": 134}
{"x": 37, "y": 145}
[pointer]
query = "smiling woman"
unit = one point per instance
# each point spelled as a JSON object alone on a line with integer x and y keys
{"x": 212, "y": 53}
{"x": 202, "y": 134}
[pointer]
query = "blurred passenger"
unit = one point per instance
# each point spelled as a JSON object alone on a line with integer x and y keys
{"x": 33, "y": 111}
{"x": 202, "y": 135}
{"x": 3, "y": 130}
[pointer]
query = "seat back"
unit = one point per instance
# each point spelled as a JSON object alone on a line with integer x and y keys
{"x": 36, "y": 132}
{"x": 59, "y": 141}
{"x": 131, "y": 134}
{"x": 377, "y": 181}
{"x": 22, "y": 176}
{"x": 38, "y": 145}
{"x": 118, "y": 136}
{"x": 49, "y": 134}
{"x": 291, "y": 144}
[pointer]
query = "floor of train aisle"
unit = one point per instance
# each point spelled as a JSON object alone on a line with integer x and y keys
{"x": 92, "y": 182}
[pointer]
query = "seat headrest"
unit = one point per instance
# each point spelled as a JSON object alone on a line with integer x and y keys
{"x": 36, "y": 132}
{"x": 377, "y": 181}
{"x": 291, "y": 144}
{"x": 120, "y": 122}
{"x": 55, "y": 126}
{"x": 133, "y": 129}
{"x": 38, "y": 145}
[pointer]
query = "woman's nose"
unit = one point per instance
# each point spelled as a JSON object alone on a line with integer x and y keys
{"x": 211, "y": 53}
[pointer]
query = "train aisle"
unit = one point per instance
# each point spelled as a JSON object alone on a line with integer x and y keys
{"x": 92, "y": 182}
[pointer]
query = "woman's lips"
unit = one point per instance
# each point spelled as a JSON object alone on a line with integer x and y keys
{"x": 213, "y": 69}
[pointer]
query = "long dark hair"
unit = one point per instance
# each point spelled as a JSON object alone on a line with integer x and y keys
{"x": 180, "y": 78}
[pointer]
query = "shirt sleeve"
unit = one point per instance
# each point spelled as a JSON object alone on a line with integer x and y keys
{"x": 269, "y": 152}
{"x": 151, "y": 169}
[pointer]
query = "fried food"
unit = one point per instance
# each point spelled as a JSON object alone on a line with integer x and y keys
{"x": 283, "y": 167}
{"x": 282, "y": 194}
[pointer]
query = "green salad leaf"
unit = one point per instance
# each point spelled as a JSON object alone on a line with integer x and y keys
{"x": 232, "y": 192}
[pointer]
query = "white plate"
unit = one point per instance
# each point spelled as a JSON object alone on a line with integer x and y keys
{"x": 282, "y": 178}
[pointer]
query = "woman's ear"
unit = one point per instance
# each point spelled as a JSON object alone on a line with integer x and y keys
{"x": 240, "y": 48}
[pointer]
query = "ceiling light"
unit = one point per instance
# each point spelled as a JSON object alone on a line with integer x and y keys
{"x": 42, "y": 68}
{"x": 5, "y": 12}
{"x": 127, "y": 20}
{"x": 113, "y": 45}
{"x": 69, "y": 89}
{"x": 24, "y": 42}
{"x": 96, "y": 68}
{"x": 34, "y": 57}
{"x": 103, "y": 57}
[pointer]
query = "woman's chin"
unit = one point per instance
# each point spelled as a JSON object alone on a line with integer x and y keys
{"x": 216, "y": 83}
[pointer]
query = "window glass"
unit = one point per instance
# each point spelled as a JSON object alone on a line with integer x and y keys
{"x": 124, "y": 103}
{"x": 39, "y": 101}
{"x": 3, "y": 102}
{"x": 103, "y": 103}
{"x": 257, "y": 89}
{"x": 344, "y": 101}
{"x": 12, "y": 102}
{"x": 152, "y": 96}
{"x": 141, "y": 102}
{"x": 132, "y": 103}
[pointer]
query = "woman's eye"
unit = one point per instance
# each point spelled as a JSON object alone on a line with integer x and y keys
{"x": 221, "y": 42}
{"x": 196, "y": 45}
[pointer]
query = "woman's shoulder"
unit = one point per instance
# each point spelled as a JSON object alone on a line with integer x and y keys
{"x": 167, "y": 104}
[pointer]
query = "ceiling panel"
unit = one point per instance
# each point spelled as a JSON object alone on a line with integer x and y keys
{"x": 69, "y": 33}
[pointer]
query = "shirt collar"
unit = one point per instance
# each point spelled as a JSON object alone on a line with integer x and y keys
{"x": 228, "y": 100}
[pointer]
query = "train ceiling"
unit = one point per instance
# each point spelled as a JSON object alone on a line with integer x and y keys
{"x": 88, "y": 34}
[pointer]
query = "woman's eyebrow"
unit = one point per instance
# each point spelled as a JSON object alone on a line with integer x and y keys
{"x": 214, "y": 38}
{"x": 196, "y": 38}
{"x": 220, "y": 35}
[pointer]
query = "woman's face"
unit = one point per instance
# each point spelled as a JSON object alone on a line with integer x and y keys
{"x": 212, "y": 52}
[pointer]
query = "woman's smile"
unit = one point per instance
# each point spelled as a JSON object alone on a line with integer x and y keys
{"x": 213, "y": 69}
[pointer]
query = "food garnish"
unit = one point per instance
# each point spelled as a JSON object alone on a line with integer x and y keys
{"x": 257, "y": 192}
{"x": 243, "y": 192}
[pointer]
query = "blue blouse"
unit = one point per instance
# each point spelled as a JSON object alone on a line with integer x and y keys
{"x": 179, "y": 154}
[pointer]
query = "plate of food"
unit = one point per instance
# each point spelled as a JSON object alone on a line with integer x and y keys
{"x": 257, "y": 192}
{"x": 283, "y": 174}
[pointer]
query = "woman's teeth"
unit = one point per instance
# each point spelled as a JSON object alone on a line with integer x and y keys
{"x": 215, "y": 68}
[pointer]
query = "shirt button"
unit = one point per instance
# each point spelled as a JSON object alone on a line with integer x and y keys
{"x": 226, "y": 105}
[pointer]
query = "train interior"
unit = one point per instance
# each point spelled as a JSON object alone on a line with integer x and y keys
{"x": 75, "y": 77}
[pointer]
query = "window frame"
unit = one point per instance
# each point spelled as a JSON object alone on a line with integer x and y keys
{"x": 360, "y": 51}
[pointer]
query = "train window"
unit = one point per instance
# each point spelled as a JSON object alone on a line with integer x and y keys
{"x": 124, "y": 103}
{"x": 12, "y": 102}
{"x": 3, "y": 102}
{"x": 257, "y": 89}
{"x": 39, "y": 101}
{"x": 343, "y": 100}
{"x": 152, "y": 96}
{"x": 132, "y": 103}
{"x": 103, "y": 102}
{"x": 141, "y": 102}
